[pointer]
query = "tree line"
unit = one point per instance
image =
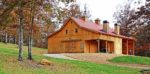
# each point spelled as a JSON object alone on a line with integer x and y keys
{"x": 29, "y": 22}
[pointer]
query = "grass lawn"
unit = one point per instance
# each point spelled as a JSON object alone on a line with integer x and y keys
{"x": 131, "y": 60}
{"x": 10, "y": 65}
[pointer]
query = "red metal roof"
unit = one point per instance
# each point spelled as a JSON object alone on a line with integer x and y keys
{"x": 91, "y": 26}
{"x": 94, "y": 27}
{"x": 97, "y": 28}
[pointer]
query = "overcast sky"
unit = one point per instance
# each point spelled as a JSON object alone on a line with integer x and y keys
{"x": 102, "y": 9}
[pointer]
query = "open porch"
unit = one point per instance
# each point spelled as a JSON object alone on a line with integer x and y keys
{"x": 128, "y": 46}
{"x": 95, "y": 46}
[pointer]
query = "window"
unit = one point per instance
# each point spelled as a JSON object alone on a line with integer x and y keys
{"x": 71, "y": 22}
{"x": 76, "y": 30}
{"x": 66, "y": 31}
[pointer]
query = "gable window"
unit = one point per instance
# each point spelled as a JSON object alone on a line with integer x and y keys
{"x": 66, "y": 31}
{"x": 71, "y": 22}
{"x": 76, "y": 30}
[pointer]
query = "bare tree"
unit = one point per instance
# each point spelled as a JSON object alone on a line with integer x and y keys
{"x": 141, "y": 20}
{"x": 31, "y": 31}
{"x": 20, "y": 58}
{"x": 123, "y": 16}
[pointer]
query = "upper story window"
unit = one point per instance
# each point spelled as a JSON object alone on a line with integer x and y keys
{"x": 71, "y": 22}
{"x": 76, "y": 30}
{"x": 66, "y": 31}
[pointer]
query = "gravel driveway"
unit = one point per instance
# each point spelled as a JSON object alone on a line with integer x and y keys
{"x": 61, "y": 56}
{"x": 92, "y": 57}
{"x": 100, "y": 58}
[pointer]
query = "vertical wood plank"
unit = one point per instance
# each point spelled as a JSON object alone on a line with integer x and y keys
{"x": 127, "y": 47}
{"x": 133, "y": 47}
{"x": 98, "y": 47}
{"x": 106, "y": 47}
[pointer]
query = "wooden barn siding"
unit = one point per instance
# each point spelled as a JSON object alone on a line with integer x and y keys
{"x": 110, "y": 47}
{"x": 55, "y": 46}
{"x": 90, "y": 46}
{"x": 55, "y": 41}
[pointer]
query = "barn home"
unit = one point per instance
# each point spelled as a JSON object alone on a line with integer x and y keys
{"x": 78, "y": 35}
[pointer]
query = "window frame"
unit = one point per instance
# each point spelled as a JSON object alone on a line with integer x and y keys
{"x": 76, "y": 30}
{"x": 66, "y": 31}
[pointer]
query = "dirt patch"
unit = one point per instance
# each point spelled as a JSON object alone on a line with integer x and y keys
{"x": 92, "y": 57}
{"x": 102, "y": 58}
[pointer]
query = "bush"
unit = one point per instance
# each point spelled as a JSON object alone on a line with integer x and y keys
{"x": 145, "y": 52}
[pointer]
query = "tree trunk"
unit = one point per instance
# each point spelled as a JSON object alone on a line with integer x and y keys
{"x": 20, "y": 32}
{"x": 31, "y": 32}
{"x": 29, "y": 47}
{"x": 6, "y": 38}
{"x": 0, "y": 38}
{"x": 14, "y": 40}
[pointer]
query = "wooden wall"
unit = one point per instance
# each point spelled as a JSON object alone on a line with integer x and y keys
{"x": 110, "y": 47}
{"x": 118, "y": 46}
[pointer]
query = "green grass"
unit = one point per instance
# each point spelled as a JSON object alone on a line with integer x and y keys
{"x": 131, "y": 60}
{"x": 10, "y": 65}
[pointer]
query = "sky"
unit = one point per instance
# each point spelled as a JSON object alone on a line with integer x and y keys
{"x": 102, "y": 9}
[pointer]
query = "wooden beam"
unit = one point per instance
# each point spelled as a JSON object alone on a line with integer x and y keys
{"x": 106, "y": 47}
{"x": 98, "y": 45}
{"x": 89, "y": 47}
{"x": 127, "y": 47}
{"x": 133, "y": 47}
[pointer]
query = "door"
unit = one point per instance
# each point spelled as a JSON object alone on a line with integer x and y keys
{"x": 71, "y": 46}
{"x": 91, "y": 46}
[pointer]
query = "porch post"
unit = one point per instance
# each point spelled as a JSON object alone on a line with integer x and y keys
{"x": 133, "y": 47}
{"x": 106, "y": 47}
{"x": 127, "y": 47}
{"x": 98, "y": 47}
